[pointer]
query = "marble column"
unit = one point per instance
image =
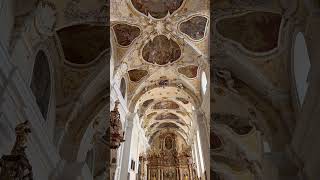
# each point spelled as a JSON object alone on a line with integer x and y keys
{"x": 127, "y": 146}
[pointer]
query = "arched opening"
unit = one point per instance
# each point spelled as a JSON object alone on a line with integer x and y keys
{"x": 301, "y": 63}
{"x": 41, "y": 83}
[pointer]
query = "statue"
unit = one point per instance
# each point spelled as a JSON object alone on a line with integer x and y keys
{"x": 16, "y": 166}
{"x": 117, "y": 134}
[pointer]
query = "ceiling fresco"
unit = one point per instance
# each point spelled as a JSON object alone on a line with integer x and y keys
{"x": 190, "y": 71}
{"x": 161, "y": 51}
{"x": 137, "y": 74}
{"x": 166, "y": 105}
{"x": 166, "y": 116}
{"x": 195, "y": 27}
{"x": 157, "y": 8}
{"x": 125, "y": 33}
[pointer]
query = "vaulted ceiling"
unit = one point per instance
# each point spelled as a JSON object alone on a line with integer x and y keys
{"x": 160, "y": 48}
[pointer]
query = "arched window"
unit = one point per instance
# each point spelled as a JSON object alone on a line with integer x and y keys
{"x": 204, "y": 82}
{"x": 41, "y": 82}
{"x": 301, "y": 66}
{"x": 123, "y": 87}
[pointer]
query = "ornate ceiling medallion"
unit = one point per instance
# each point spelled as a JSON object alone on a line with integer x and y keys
{"x": 166, "y": 105}
{"x": 136, "y": 75}
{"x": 195, "y": 27}
{"x": 190, "y": 71}
{"x": 161, "y": 51}
{"x": 263, "y": 26}
{"x": 125, "y": 34}
{"x": 157, "y": 8}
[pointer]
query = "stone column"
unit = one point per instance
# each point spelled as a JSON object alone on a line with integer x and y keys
{"x": 204, "y": 133}
{"x": 127, "y": 146}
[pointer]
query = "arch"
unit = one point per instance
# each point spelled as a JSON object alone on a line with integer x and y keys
{"x": 41, "y": 82}
{"x": 301, "y": 67}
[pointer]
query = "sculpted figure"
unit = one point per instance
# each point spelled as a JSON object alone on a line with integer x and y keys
{"x": 16, "y": 166}
{"x": 117, "y": 134}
